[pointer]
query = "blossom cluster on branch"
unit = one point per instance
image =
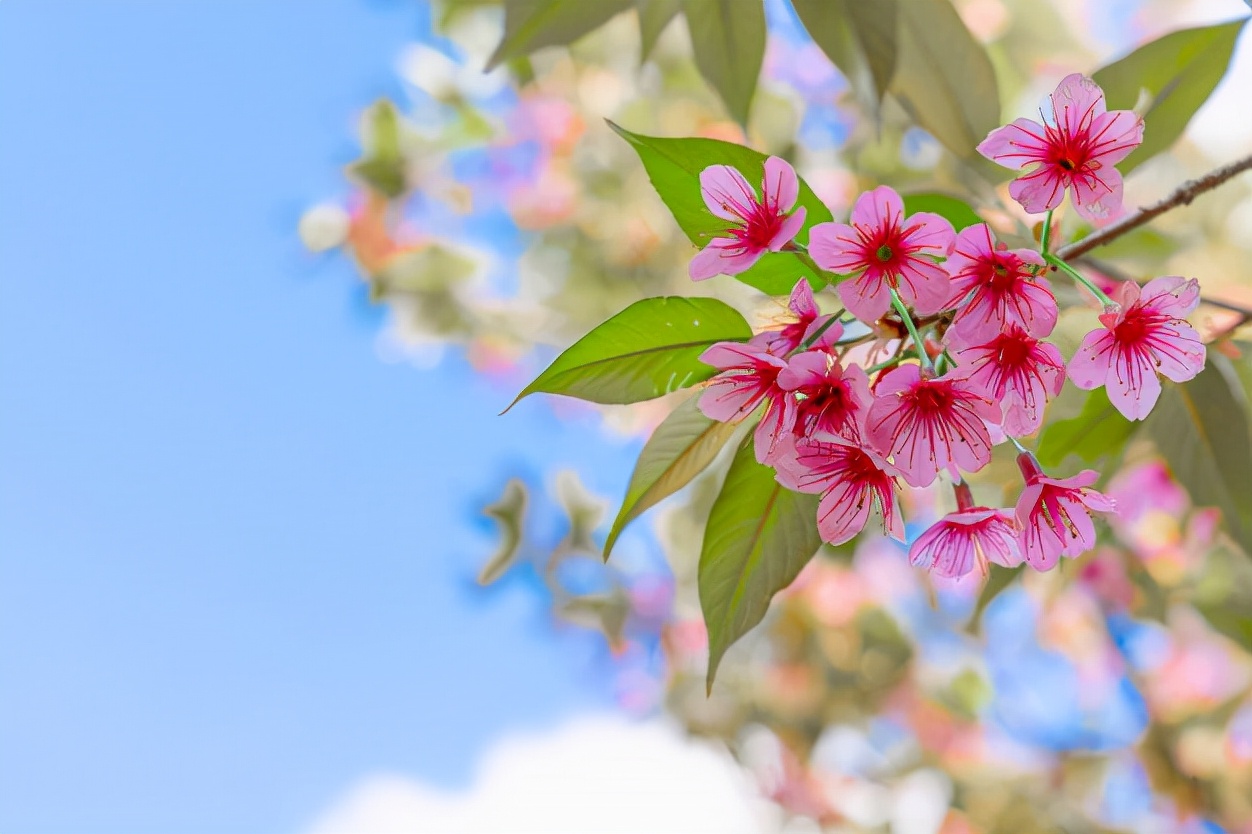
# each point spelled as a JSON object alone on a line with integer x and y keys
{"x": 971, "y": 365}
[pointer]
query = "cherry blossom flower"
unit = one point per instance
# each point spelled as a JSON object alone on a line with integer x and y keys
{"x": 1055, "y": 514}
{"x": 999, "y": 286}
{"x": 748, "y": 378}
{"x": 758, "y": 224}
{"x": 1015, "y": 370}
{"x": 970, "y": 536}
{"x": 851, "y": 481}
{"x": 827, "y": 396}
{"x": 1076, "y": 149}
{"x": 810, "y": 325}
{"x": 886, "y": 251}
{"x": 928, "y": 424}
{"x": 1147, "y": 335}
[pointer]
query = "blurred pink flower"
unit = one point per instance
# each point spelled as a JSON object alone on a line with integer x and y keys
{"x": 758, "y": 224}
{"x": 886, "y": 251}
{"x": 1076, "y": 149}
{"x": 1146, "y": 335}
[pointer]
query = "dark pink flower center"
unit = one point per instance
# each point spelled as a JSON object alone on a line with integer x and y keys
{"x": 828, "y": 407}
{"x": 1014, "y": 350}
{"x": 1138, "y": 326}
{"x": 932, "y": 397}
{"x": 760, "y": 225}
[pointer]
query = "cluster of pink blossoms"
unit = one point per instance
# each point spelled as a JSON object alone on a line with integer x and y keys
{"x": 851, "y": 435}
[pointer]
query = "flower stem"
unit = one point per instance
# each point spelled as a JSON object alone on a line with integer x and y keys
{"x": 807, "y": 260}
{"x": 1045, "y": 239}
{"x": 1019, "y": 446}
{"x": 907, "y": 319}
{"x": 817, "y": 334}
{"x": 1073, "y": 273}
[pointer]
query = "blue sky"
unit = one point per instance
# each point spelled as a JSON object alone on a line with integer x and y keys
{"x": 236, "y": 549}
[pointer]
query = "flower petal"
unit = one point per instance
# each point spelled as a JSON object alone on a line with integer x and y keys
{"x": 726, "y": 192}
{"x": 781, "y": 186}
{"x": 1016, "y": 145}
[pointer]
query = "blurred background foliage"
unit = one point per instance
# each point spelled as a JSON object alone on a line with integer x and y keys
{"x": 494, "y": 211}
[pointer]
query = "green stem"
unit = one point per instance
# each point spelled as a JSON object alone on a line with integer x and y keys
{"x": 807, "y": 260}
{"x": 905, "y": 317}
{"x": 1019, "y": 446}
{"x": 890, "y": 363}
{"x": 1073, "y": 273}
{"x": 1045, "y": 239}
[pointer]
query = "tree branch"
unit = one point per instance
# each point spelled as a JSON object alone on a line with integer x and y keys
{"x": 1181, "y": 196}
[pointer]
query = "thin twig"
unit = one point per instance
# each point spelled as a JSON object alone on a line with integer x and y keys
{"x": 1118, "y": 274}
{"x": 1181, "y": 196}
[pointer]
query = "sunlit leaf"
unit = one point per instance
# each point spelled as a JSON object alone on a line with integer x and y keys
{"x": 859, "y": 37}
{"x": 1097, "y": 431}
{"x": 654, "y": 16}
{"x": 728, "y": 39}
{"x": 1178, "y": 71}
{"x": 1202, "y": 430}
{"x": 509, "y": 513}
{"x": 382, "y": 166}
{"x": 758, "y": 537}
{"x": 533, "y": 24}
{"x": 943, "y": 76}
{"x": 651, "y": 348}
{"x": 606, "y": 612}
{"x": 957, "y": 212}
{"x": 679, "y": 449}
{"x": 674, "y": 167}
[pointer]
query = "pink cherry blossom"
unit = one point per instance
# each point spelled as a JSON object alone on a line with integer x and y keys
{"x": 928, "y": 424}
{"x": 1147, "y": 335}
{"x": 970, "y": 536}
{"x": 828, "y": 396}
{"x": 1015, "y": 370}
{"x": 851, "y": 481}
{"x": 999, "y": 286}
{"x": 758, "y": 224}
{"x": 1075, "y": 149}
{"x": 884, "y": 250}
{"x": 1055, "y": 514}
{"x": 810, "y": 325}
{"x": 748, "y": 378}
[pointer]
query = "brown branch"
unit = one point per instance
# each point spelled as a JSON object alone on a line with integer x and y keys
{"x": 1181, "y": 196}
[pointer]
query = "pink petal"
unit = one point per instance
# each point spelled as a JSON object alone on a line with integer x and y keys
{"x": 728, "y": 398}
{"x": 842, "y": 513}
{"x": 1114, "y": 135}
{"x": 925, "y": 286}
{"x": 790, "y": 227}
{"x": 877, "y": 209}
{"x": 1040, "y": 190}
{"x": 1016, "y": 145}
{"x": 781, "y": 185}
{"x": 1182, "y": 355}
{"x": 1091, "y": 363}
{"x": 1133, "y": 386}
{"x": 928, "y": 231}
{"x": 802, "y": 301}
{"x": 1098, "y": 194}
{"x": 722, "y": 256}
{"x": 836, "y": 246}
{"x": 726, "y": 193}
{"x": 1076, "y": 102}
{"x": 867, "y": 297}
{"x": 1172, "y": 295}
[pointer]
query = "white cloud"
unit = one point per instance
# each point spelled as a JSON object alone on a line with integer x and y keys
{"x": 591, "y": 776}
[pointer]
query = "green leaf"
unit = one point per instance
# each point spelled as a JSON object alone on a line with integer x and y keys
{"x": 1202, "y": 430}
{"x": 943, "y": 76}
{"x": 1097, "y": 431}
{"x": 654, "y": 16}
{"x": 859, "y": 37}
{"x": 651, "y": 348}
{"x": 1178, "y": 72}
{"x": 674, "y": 167}
{"x": 759, "y": 535}
{"x": 957, "y": 212}
{"x": 508, "y": 512}
{"x": 530, "y": 25}
{"x": 679, "y": 449}
{"x": 728, "y": 39}
{"x": 382, "y": 166}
